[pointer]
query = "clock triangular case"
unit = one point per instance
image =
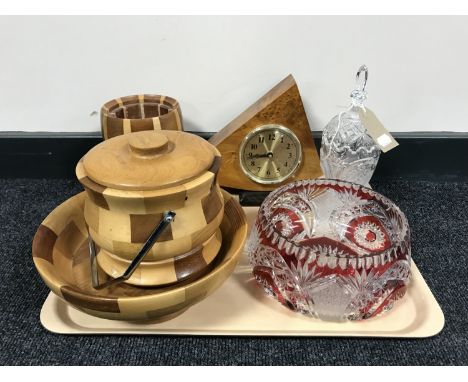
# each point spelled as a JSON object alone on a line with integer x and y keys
{"x": 282, "y": 105}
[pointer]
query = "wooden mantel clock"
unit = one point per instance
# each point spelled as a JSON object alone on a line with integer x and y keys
{"x": 269, "y": 144}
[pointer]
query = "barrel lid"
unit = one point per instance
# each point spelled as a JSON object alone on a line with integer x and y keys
{"x": 148, "y": 160}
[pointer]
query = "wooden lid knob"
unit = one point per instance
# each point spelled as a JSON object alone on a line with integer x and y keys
{"x": 148, "y": 144}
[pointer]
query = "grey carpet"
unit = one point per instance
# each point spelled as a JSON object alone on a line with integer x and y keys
{"x": 438, "y": 215}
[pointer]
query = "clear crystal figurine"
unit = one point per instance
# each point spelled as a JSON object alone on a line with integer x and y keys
{"x": 347, "y": 151}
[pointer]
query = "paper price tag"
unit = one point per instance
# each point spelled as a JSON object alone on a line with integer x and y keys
{"x": 377, "y": 131}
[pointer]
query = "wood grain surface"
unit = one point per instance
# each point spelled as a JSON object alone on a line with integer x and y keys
{"x": 190, "y": 265}
{"x": 140, "y": 113}
{"x": 131, "y": 180}
{"x": 281, "y": 105}
{"x": 61, "y": 257}
{"x": 148, "y": 160}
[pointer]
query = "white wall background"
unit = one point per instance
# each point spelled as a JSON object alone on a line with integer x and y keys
{"x": 55, "y": 71}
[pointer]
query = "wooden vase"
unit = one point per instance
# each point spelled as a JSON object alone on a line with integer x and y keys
{"x": 140, "y": 113}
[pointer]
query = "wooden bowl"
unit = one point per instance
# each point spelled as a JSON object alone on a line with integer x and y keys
{"x": 60, "y": 254}
{"x": 139, "y": 113}
{"x": 131, "y": 180}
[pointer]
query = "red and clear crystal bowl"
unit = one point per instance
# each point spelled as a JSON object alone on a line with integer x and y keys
{"x": 331, "y": 249}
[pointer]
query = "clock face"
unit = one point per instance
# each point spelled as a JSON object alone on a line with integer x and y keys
{"x": 270, "y": 154}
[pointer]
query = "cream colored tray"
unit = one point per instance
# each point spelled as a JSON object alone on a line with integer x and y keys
{"x": 240, "y": 308}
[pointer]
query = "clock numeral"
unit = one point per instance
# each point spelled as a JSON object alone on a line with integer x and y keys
{"x": 271, "y": 164}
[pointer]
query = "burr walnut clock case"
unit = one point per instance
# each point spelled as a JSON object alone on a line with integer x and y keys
{"x": 130, "y": 181}
{"x": 269, "y": 144}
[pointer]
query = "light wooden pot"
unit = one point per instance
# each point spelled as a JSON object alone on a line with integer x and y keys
{"x": 132, "y": 180}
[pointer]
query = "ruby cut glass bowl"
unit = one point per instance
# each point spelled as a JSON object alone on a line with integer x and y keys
{"x": 331, "y": 249}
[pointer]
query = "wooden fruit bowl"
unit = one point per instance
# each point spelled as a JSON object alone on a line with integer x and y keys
{"x": 60, "y": 254}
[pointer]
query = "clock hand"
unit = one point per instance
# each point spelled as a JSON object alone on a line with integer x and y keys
{"x": 273, "y": 145}
{"x": 266, "y": 155}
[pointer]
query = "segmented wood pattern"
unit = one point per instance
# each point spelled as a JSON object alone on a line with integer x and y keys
{"x": 67, "y": 272}
{"x": 140, "y": 113}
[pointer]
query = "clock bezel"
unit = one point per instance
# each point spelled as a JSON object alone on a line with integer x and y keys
{"x": 270, "y": 126}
